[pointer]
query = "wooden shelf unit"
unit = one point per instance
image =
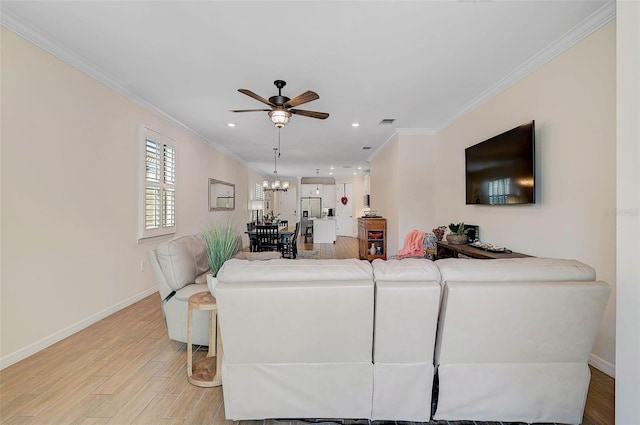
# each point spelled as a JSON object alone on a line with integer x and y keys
{"x": 372, "y": 231}
{"x": 447, "y": 250}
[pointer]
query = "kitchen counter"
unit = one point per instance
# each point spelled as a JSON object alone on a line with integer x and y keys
{"x": 324, "y": 230}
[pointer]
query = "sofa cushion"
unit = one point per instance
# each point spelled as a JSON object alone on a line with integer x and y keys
{"x": 184, "y": 293}
{"x": 284, "y": 270}
{"x": 182, "y": 259}
{"x": 514, "y": 269}
{"x": 406, "y": 270}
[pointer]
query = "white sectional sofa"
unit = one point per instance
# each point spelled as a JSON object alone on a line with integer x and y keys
{"x": 507, "y": 340}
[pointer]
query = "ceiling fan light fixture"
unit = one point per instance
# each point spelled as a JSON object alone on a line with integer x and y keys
{"x": 279, "y": 117}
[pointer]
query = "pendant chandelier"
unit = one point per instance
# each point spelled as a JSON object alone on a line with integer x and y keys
{"x": 275, "y": 185}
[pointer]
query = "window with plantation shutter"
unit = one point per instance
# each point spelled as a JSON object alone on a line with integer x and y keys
{"x": 158, "y": 191}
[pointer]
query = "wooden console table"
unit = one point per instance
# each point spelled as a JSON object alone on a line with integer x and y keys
{"x": 447, "y": 250}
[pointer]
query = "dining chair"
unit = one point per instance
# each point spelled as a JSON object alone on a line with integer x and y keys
{"x": 268, "y": 238}
{"x": 253, "y": 244}
{"x": 290, "y": 244}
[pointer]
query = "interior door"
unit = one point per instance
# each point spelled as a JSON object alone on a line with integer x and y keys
{"x": 345, "y": 222}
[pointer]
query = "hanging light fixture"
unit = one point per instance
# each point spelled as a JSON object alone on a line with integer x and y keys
{"x": 275, "y": 185}
{"x": 317, "y": 176}
{"x": 279, "y": 117}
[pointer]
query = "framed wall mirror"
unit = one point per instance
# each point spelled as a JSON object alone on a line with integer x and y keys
{"x": 222, "y": 195}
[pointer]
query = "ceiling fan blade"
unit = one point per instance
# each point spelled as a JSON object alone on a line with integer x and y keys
{"x": 305, "y": 97}
{"x": 256, "y": 97}
{"x": 312, "y": 114}
{"x": 250, "y": 110}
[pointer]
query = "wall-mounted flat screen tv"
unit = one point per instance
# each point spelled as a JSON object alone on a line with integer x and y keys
{"x": 501, "y": 170}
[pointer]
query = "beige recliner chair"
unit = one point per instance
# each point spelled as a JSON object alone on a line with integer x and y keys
{"x": 180, "y": 266}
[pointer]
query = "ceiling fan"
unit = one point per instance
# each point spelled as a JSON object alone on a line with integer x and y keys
{"x": 282, "y": 107}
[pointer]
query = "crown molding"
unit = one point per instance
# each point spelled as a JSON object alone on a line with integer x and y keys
{"x": 40, "y": 39}
{"x": 382, "y": 147}
{"x": 595, "y": 21}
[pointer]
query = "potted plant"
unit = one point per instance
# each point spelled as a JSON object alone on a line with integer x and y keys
{"x": 271, "y": 218}
{"x": 458, "y": 235}
{"x": 222, "y": 244}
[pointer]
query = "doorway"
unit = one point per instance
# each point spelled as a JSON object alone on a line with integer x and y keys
{"x": 345, "y": 223}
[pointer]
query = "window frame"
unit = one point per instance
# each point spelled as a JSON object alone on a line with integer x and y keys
{"x": 165, "y": 184}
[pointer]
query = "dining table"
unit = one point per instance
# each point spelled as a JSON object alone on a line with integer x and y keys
{"x": 284, "y": 233}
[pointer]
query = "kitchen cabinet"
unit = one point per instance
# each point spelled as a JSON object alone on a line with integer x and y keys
{"x": 310, "y": 190}
{"x": 328, "y": 195}
{"x": 372, "y": 232}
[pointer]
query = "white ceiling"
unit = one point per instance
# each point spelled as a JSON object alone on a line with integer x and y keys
{"x": 423, "y": 63}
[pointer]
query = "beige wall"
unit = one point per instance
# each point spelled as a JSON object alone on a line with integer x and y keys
{"x": 417, "y": 169}
{"x": 384, "y": 181}
{"x": 403, "y": 178}
{"x": 628, "y": 214}
{"x": 70, "y": 197}
{"x": 572, "y": 98}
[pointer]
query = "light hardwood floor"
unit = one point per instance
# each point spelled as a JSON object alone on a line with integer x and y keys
{"x": 124, "y": 370}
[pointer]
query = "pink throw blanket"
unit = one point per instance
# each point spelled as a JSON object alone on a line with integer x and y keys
{"x": 412, "y": 245}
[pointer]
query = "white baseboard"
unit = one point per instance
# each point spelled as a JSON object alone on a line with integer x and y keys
{"x": 64, "y": 333}
{"x": 602, "y": 365}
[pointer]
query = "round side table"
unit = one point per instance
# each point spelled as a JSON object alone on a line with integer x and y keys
{"x": 206, "y": 372}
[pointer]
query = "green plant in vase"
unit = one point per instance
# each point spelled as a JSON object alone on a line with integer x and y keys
{"x": 221, "y": 240}
{"x": 458, "y": 235}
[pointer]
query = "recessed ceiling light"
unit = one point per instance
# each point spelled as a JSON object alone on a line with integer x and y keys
{"x": 230, "y": 124}
{"x": 355, "y": 174}
{"x": 331, "y": 168}
{"x": 355, "y": 124}
{"x": 331, "y": 173}
{"x": 359, "y": 168}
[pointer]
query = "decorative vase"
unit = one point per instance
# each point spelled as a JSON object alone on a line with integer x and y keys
{"x": 372, "y": 250}
{"x": 454, "y": 239}
{"x": 212, "y": 282}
